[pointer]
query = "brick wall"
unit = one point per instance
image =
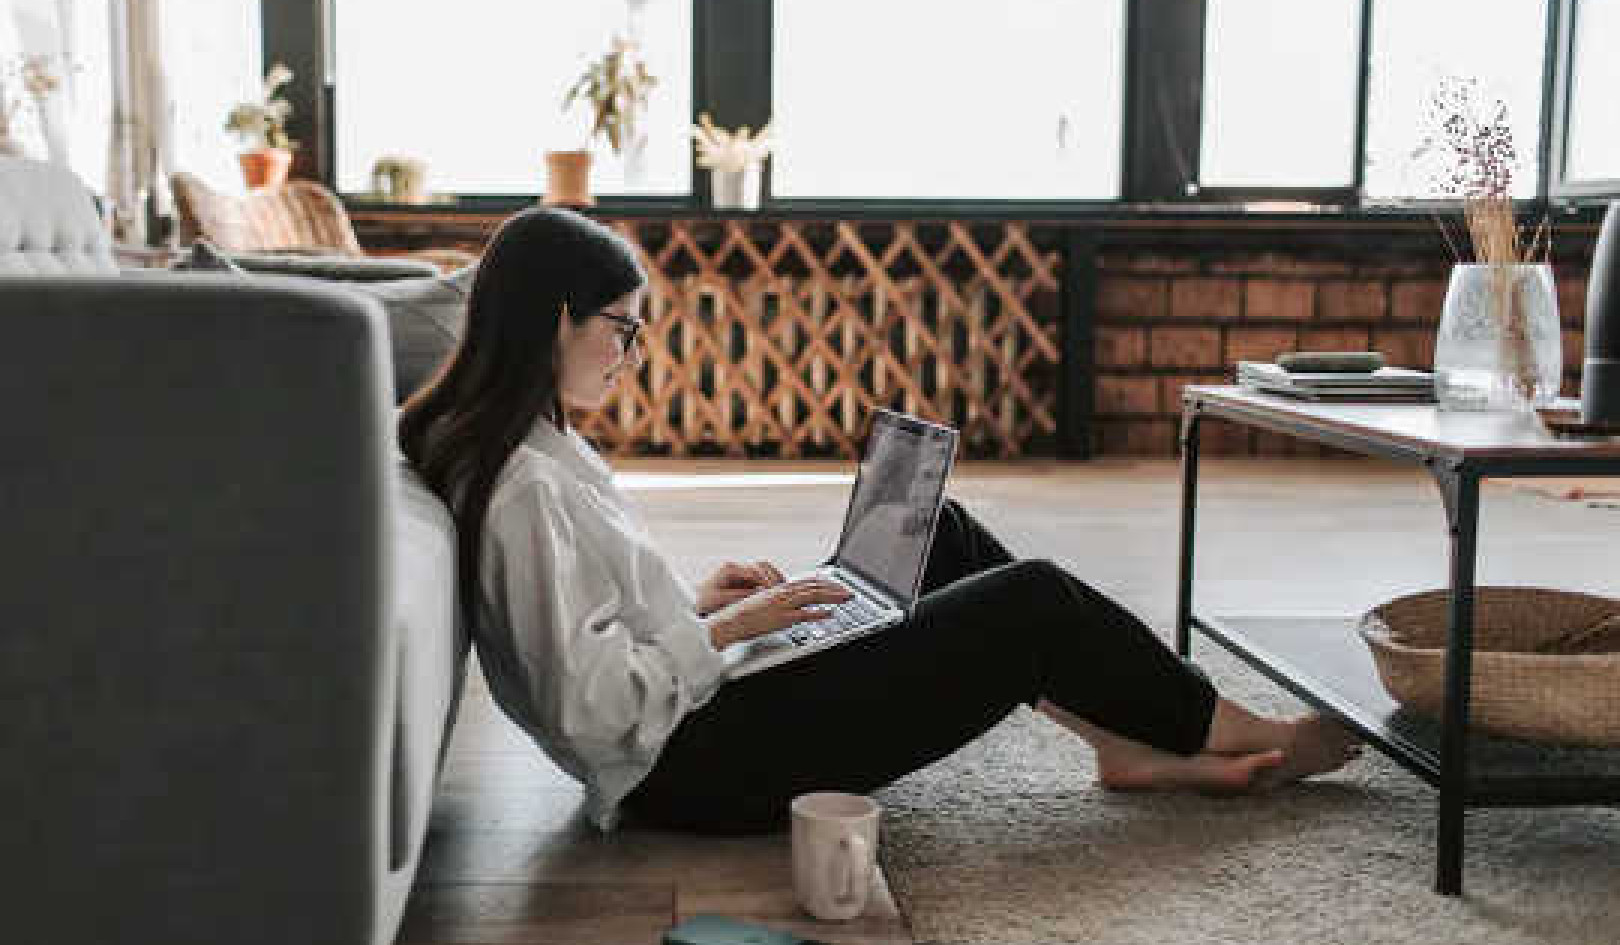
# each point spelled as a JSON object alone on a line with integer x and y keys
{"x": 1166, "y": 319}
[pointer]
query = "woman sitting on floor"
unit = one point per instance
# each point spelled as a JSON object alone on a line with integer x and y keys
{"x": 596, "y": 647}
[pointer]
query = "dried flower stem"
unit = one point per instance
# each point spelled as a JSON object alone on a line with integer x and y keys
{"x": 1445, "y": 233}
{"x": 1495, "y": 235}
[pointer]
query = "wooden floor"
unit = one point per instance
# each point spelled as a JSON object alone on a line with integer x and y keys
{"x": 510, "y": 860}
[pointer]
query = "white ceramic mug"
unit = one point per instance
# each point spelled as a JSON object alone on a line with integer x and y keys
{"x": 834, "y": 853}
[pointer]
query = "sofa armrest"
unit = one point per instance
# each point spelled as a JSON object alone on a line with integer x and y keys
{"x": 200, "y": 669}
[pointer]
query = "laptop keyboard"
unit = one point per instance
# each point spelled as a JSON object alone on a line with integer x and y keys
{"x": 852, "y": 614}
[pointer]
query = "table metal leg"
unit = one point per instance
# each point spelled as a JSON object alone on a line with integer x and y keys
{"x": 1190, "y": 416}
{"x": 1460, "y": 490}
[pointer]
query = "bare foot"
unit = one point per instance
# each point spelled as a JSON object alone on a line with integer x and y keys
{"x": 1316, "y": 745}
{"x": 1207, "y": 773}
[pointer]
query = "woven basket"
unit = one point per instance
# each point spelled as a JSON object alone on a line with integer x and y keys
{"x": 1546, "y": 663}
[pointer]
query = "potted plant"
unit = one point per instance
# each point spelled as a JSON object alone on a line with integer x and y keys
{"x": 616, "y": 88}
{"x": 262, "y": 127}
{"x": 734, "y": 159}
{"x": 399, "y": 178}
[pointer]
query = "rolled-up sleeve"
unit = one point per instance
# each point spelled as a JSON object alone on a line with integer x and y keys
{"x": 603, "y": 633}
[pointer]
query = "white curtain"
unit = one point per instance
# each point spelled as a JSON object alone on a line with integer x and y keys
{"x": 139, "y": 149}
{"x": 72, "y": 39}
{"x": 180, "y": 67}
{"x": 145, "y": 88}
{"x": 29, "y": 33}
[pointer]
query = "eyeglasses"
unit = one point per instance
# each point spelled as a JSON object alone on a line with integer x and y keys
{"x": 629, "y": 329}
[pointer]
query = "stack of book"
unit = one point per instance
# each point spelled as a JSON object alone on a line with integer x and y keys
{"x": 1385, "y": 385}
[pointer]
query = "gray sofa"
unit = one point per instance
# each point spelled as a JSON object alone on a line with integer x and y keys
{"x": 232, "y": 655}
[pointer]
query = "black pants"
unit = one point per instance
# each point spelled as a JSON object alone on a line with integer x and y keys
{"x": 989, "y": 633}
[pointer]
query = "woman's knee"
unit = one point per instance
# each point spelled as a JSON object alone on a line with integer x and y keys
{"x": 980, "y": 607}
{"x": 1039, "y": 572}
{"x": 1043, "y": 571}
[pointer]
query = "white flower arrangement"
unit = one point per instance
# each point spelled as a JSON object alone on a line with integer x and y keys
{"x": 722, "y": 150}
{"x": 263, "y": 124}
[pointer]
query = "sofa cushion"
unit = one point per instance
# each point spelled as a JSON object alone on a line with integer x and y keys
{"x": 206, "y": 257}
{"x": 433, "y": 655}
{"x": 425, "y": 315}
{"x": 338, "y": 268}
{"x": 425, "y": 321}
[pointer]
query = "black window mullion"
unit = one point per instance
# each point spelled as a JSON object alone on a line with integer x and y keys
{"x": 1555, "y": 73}
{"x": 295, "y": 32}
{"x": 1164, "y": 81}
{"x": 731, "y": 72}
{"x": 1358, "y": 182}
{"x": 1561, "y": 90}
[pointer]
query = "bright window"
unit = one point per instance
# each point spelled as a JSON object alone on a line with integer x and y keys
{"x": 211, "y": 54}
{"x": 1019, "y": 99}
{"x": 475, "y": 90}
{"x": 1280, "y": 93}
{"x": 1496, "y": 45}
{"x": 1592, "y": 150}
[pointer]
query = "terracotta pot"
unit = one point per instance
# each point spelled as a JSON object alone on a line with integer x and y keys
{"x": 265, "y": 168}
{"x": 568, "y": 179}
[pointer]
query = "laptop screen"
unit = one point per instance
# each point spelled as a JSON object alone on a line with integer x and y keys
{"x": 890, "y": 522}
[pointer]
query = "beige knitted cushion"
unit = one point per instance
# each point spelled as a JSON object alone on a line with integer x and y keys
{"x": 302, "y": 214}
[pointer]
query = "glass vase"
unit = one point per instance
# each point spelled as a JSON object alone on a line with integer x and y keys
{"x": 1499, "y": 345}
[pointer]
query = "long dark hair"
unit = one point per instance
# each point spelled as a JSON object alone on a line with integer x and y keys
{"x": 460, "y": 429}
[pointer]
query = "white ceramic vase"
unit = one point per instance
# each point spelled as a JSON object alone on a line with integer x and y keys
{"x": 735, "y": 190}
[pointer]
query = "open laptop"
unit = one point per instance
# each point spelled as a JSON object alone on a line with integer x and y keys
{"x": 883, "y": 548}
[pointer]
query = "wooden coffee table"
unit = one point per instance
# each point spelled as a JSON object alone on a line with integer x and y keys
{"x": 1325, "y": 663}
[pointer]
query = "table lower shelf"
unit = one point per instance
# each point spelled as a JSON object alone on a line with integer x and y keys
{"x": 1324, "y": 661}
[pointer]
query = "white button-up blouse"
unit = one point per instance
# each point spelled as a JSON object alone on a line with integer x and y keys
{"x": 589, "y": 639}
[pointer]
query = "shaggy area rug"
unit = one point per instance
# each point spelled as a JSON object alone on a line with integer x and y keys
{"x": 1010, "y": 842}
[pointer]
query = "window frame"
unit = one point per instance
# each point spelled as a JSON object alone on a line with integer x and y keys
{"x": 1560, "y": 88}
{"x": 1161, "y": 108}
{"x": 1345, "y": 196}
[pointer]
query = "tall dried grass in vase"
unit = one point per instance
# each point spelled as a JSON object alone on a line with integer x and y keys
{"x": 1495, "y": 234}
{"x": 1466, "y": 149}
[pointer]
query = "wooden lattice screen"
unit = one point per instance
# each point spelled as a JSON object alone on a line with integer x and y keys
{"x": 777, "y": 337}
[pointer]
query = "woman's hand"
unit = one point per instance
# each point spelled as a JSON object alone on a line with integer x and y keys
{"x": 778, "y": 606}
{"x": 733, "y": 582}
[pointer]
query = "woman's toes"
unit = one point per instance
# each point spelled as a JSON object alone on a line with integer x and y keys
{"x": 1319, "y": 745}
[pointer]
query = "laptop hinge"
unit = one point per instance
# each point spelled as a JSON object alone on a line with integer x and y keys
{"x": 877, "y": 593}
